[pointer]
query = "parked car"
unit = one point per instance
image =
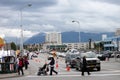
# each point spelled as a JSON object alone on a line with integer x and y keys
{"x": 72, "y": 51}
{"x": 70, "y": 59}
{"x": 92, "y": 61}
{"x": 104, "y": 54}
{"x": 116, "y": 54}
{"x": 35, "y": 55}
{"x": 102, "y": 57}
{"x": 61, "y": 54}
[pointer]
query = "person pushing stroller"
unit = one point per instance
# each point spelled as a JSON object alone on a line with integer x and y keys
{"x": 52, "y": 62}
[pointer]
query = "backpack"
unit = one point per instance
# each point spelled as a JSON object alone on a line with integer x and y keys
{"x": 21, "y": 64}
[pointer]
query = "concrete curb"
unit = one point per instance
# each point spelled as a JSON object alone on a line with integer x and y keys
{"x": 13, "y": 75}
{"x": 9, "y": 75}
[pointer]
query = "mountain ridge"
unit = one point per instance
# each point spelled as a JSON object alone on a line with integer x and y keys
{"x": 70, "y": 37}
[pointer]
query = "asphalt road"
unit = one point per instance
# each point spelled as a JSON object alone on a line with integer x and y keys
{"x": 110, "y": 70}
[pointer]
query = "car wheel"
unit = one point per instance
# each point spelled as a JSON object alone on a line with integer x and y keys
{"x": 77, "y": 69}
{"x": 72, "y": 66}
{"x": 98, "y": 69}
{"x": 39, "y": 73}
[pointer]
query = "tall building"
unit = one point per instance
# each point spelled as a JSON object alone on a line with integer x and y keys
{"x": 117, "y": 33}
{"x": 53, "y": 38}
{"x": 104, "y": 36}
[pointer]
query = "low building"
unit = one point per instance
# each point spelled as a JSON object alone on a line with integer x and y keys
{"x": 81, "y": 46}
{"x": 112, "y": 43}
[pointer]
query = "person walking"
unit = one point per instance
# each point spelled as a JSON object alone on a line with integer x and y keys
{"x": 84, "y": 66}
{"x": 52, "y": 62}
{"x": 20, "y": 66}
{"x": 17, "y": 63}
{"x": 26, "y": 62}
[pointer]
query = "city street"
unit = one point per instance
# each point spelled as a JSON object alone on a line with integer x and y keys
{"x": 110, "y": 70}
{"x": 81, "y": 35}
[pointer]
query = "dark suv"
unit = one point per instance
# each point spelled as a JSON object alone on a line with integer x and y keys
{"x": 92, "y": 61}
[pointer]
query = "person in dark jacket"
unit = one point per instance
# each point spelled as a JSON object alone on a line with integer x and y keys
{"x": 52, "y": 62}
{"x": 84, "y": 66}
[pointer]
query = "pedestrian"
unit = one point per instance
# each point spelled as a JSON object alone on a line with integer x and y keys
{"x": 84, "y": 66}
{"x": 52, "y": 63}
{"x": 20, "y": 66}
{"x": 17, "y": 63}
{"x": 26, "y": 63}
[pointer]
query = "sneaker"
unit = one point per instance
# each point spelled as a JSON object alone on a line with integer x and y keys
{"x": 88, "y": 73}
{"x": 56, "y": 72}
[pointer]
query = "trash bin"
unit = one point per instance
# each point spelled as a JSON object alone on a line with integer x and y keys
{"x": 1, "y": 68}
{"x": 7, "y": 68}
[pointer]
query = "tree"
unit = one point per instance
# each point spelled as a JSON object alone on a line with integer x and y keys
{"x": 13, "y": 46}
{"x": 90, "y": 43}
{"x": 99, "y": 46}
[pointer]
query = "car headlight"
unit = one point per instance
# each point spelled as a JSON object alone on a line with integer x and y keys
{"x": 98, "y": 61}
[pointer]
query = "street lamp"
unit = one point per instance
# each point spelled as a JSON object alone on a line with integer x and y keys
{"x": 79, "y": 31}
{"x": 21, "y": 16}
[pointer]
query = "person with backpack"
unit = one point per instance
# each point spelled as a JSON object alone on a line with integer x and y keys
{"x": 26, "y": 63}
{"x": 20, "y": 66}
{"x": 52, "y": 62}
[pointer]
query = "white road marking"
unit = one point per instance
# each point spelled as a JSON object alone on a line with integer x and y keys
{"x": 77, "y": 74}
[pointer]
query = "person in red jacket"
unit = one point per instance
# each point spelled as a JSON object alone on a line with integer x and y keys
{"x": 26, "y": 62}
{"x": 20, "y": 66}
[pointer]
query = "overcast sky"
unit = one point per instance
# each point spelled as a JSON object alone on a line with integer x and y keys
{"x": 57, "y": 15}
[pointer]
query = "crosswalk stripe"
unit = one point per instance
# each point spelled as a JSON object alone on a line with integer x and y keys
{"x": 106, "y": 74}
{"x": 79, "y": 72}
{"x": 76, "y": 75}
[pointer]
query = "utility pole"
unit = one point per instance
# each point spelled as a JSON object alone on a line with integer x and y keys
{"x": 21, "y": 26}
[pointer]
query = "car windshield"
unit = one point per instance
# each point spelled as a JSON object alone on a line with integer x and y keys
{"x": 88, "y": 54}
{"x": 74, "y": 51}
{"x": 74, "y": 55}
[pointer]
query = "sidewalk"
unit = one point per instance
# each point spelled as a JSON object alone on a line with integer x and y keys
{"x": 11, "y": 75}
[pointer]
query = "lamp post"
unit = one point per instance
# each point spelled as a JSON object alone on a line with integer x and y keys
{"x": 21, "y": 26}
{"x": 79, "y": 31}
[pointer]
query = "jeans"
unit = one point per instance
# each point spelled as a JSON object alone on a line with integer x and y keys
{"x": 52, "y": 70}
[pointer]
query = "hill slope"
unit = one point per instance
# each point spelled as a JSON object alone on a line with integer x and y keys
{"x": 70, "y": 37}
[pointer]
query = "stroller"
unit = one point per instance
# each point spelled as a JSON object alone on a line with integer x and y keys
{"x": 43, "y": 70}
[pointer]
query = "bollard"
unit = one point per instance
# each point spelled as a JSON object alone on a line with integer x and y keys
{"x": 56, "y": 64}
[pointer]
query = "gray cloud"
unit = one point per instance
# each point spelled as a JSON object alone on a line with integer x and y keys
{"x": 110, "y": 1}
{"x": 16, "y": 4}
{"x": 56, "y": 15}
